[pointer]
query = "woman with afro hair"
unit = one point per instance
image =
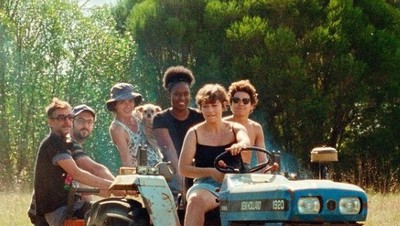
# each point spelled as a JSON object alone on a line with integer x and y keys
{"x": 170, "y": 125}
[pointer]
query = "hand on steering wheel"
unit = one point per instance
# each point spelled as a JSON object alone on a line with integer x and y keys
{"x": 227, "y": 163}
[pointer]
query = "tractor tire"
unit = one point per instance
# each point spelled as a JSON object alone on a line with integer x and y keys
{"x": 116, "y": 211}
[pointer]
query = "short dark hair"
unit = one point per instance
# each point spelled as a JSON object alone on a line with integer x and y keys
{"x": 211, "y": 93}
{"x": 176, "y": 74}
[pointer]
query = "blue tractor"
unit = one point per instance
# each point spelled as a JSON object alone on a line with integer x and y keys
{"x": 247, "y": 198}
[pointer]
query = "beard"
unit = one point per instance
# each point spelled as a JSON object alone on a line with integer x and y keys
{"x": 82, "y": 134}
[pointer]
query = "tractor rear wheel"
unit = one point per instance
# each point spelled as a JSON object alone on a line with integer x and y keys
{"x": 116, "y": 211}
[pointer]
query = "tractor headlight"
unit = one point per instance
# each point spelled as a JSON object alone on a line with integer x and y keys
{"x": 349, "y": 205}
{"x": 309, "y": 205}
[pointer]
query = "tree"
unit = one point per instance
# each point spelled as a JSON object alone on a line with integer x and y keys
{"x": 54, "y": 49}
{"x": 326, "y": 71}
{"x": 318, "y": 65}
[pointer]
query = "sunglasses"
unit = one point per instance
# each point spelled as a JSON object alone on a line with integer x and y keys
{"x": 245, "y": 101}
{"x": 64, "y": 117}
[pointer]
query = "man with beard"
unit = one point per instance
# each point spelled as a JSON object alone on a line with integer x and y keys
{"x": 61, "y": 162}
{"x": 82, "y": 127}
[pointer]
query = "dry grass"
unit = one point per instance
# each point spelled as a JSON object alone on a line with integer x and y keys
{"x": 383, "y": 209}
{"x": 13, "y": 208}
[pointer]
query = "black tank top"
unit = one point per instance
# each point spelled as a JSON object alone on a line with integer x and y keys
{"x": 205, "y": 154}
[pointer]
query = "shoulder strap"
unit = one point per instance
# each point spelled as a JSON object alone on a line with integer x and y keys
{"x": 195, "y": 132}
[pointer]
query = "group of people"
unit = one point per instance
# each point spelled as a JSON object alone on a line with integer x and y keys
{"x": 189, "y": 138}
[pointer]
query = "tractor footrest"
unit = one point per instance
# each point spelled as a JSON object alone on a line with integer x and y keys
{"x": 74, "y": 222}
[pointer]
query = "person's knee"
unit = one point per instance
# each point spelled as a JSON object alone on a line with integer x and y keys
{"x": 198, "y": 202}
{"x": 57, "y": 217}
{"x": 80, "y": 213}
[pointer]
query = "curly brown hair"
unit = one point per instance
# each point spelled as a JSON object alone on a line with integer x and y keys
{"x": 243, "y": 86}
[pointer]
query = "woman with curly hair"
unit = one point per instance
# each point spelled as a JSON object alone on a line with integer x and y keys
{"x": 243, "y": 98}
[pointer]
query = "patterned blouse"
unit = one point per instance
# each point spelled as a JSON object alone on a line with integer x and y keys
{"x": 137, "y": 139}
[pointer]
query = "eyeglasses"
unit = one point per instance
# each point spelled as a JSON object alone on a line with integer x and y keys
{"x": 82, "y": 121}
{"x": 245, "y": 101}
{"x": 63, "y": 117}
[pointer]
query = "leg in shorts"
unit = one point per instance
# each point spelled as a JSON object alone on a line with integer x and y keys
{"x": 205, "y": 183}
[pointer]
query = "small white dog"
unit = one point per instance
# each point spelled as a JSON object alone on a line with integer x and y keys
{"x": 147, "y": 112}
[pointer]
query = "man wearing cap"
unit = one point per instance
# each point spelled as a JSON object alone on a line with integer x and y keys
{"x": 82, "y": 127}
{"x": 56, "y": 165}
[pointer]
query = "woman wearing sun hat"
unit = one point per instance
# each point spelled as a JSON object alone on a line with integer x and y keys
{"x": 126, "y": 130}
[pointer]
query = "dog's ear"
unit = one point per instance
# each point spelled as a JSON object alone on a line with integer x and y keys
{"x": 158, "y": 109}
{"x": 140, "y": 109}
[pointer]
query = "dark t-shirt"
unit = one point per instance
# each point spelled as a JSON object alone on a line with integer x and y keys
{"x": 177, "y": 129}
{"x": 51, "y": 185}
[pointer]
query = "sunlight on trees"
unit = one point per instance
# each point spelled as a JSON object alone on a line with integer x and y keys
{"x": 327, "y": 72}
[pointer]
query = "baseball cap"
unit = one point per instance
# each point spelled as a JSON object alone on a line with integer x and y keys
{"x": 81, "y": 108}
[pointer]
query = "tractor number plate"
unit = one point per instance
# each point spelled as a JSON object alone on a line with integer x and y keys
{"x": 255, "y": 205}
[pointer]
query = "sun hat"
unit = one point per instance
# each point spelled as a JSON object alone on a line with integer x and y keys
{"x": 81, "y": 108}
{"x": 122, "y": 91}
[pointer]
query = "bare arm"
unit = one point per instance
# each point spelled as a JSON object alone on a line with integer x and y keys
{"x": 259, "y": 142}
{"x": 243, "y": 140}
{"x": 121, "y": 140}
{"x": 167, "y": 146}
{"x": 94, "y": 168}
{"x": 83, "y": 176}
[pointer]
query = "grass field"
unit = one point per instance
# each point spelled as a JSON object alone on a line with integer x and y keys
{"x": 13, "y": 209}
{"x": 382, "y": 209}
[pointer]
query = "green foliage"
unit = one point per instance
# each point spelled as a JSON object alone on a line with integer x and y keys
{"x": 314, "y": 63}
{"x": 54, "y": 50}
{"x": 327, "y": 72}
{"x": 168, "y": 34}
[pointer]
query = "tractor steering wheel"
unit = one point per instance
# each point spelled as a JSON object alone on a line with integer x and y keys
{"x": 226, "y": 163}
